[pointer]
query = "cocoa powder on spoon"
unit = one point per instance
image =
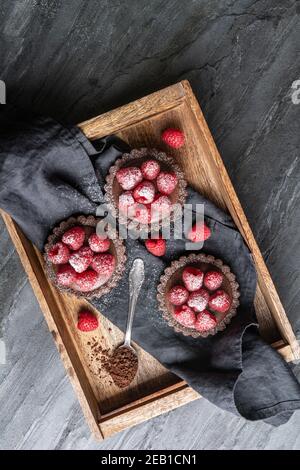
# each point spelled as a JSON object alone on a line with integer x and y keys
{"x": 123, "y": 366}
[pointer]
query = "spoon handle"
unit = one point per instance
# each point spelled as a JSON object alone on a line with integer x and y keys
{"x": 136, "y": 279}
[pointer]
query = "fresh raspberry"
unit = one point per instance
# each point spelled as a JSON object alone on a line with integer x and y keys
{"x": 74, "y": 237}
{"x": 150, "y": 169}
{"x": 185, "y": 316}
{"x": 104, "y": 264}
{"x": 59, "y": 253}
{"x": 144, "y": 192}
{"x": 199, "y": 233}
{"x": 213, "y": 280}
{"x": 87, "y": 280}
{"x": 126, "y": 200}
{"x": 198, "y": 300}
{"x": 156, "y": 246}
{"x": 160, "y": 207}
{"x": 99, "y": 243}
{"x": 65, "y": 275}
{"x": 129, "y": 177}
{"x": 173, "y": 137}
{"x": 87, "y": 321}
{"x": 205, "y": 321}
{"x": 192, "y": 278}
{"x": 140, "y": 212}
{"x": 81, "y": 259}
{"x": 166, "y": 182}
{"x": 178, "y": 295}
{"x": 220, "y": 301}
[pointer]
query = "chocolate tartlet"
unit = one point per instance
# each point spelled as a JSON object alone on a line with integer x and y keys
{"x": 116, "y": 249}
{"x": 136, "y": 158}
{"x": 173, "y": 277}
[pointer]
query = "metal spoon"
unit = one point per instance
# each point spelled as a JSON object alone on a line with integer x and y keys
{"x": 136, "y": 279}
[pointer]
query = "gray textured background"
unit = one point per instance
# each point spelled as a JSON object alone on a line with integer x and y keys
{"x": 75, "y": 59}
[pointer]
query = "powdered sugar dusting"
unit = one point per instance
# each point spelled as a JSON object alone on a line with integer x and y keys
{"x": 192, "y": 278}
{"x": 213, "y": 280}
{"x": 81, "y": 259}
{"x": 166, "y": 182}
{"x": 185, "y": 316}
{"x": 198, "y": 300}
{"x": 129, "y": 177}
{"x": 144, "y": 192}
{"x": 126, "y": 200}
{"x": 178, "y": 295}
{"x": 150, "y": 169}
{"x": 220, "y": 301}
{"x": 205, "y": 321}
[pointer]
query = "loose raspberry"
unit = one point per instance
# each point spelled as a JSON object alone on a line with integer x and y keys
{"x": 59, "y": 253}
{"x": 81, "y": 259}
{"x": 198, "y": 300}
{"x": 173, "y": 137}
{"x": 104, "y": 264}
{"x": 156, "y": 247}
{"x": 74, "y": 237}
{"x": 220, "y": 301}
{"x": 65, "y": 275}
{"x": 126, "y": 200}
{"x": 205, "y": 321}
{"x": 192, "y": 278}
{"x": 185, "y": 316}
{"x": 160, "y": 207}
{"x": 87, "y": 321}
{"x": 99, "y": 243}
{"x": 144, "y": 192}
{"x": 129, "y": 177}
{"x": 199, "y": 233}
{"x": 150, "y": 169}
{"x": 213, "y": 280}
{"x": 166, "y": 182}
{"x": 87, "y": 280}
{"x": 178, "y": 295}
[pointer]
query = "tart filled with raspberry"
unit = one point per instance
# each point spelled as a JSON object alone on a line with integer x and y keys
{"x": 145, "y": 187}
{"x": 198, "y": 295}
{"x": 84, "y": 257}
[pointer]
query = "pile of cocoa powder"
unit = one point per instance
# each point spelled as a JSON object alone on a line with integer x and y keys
{"x": 123, "y": 366}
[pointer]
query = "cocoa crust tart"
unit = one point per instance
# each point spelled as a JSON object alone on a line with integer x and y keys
{"x": 136, "y": 158}
{"x": 117, "y": 249}
{"x": 173, "y": 276}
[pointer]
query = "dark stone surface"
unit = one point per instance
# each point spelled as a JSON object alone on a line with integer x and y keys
{"x": 75, "y": 59}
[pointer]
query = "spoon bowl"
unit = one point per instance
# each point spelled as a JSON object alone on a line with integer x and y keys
{"x": 124, "y": 361}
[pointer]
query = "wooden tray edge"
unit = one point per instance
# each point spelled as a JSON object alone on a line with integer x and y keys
{"x": 133, "y": 112}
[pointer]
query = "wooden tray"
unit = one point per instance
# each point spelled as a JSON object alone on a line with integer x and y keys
{"x": 155, "y": 391}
